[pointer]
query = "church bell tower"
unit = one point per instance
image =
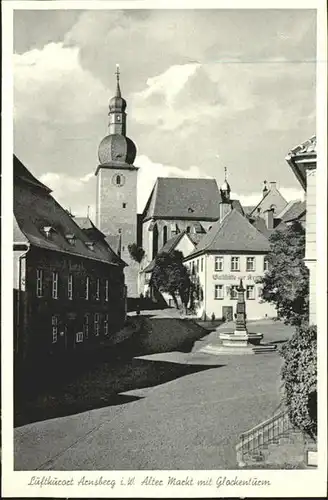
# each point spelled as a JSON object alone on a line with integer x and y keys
{"x": 116, "y": 206}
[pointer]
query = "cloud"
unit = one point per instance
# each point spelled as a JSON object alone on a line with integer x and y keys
{"x": 251, "y": 200}
{"x": 198, "y": 83}
{"x": 58, "y": 87}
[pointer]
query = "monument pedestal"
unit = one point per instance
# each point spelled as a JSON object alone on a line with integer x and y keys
{"x": 240, "y": 341}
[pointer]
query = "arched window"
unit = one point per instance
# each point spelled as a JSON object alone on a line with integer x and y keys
{"x": 118, "y": 180}
{"x": 188, "y": 229}
{"x": 155, "y": 241}
{"x": 164, "y": 235}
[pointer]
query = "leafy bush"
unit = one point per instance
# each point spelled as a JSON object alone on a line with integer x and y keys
{"x": 286, "y": 283}
{"x": 299, "y": 375}
{"x": 136, "y": 253}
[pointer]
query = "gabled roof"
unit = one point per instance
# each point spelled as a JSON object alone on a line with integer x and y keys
{"x": 294, "y": 210}
{"x": 234, "y": 233}
{"x": 276, "y": 195}
{"x": 302, "y": 156}
{"x": 37, "y": 213}
{"x": 169, "y": 247}
{"x": 181, "y": 198}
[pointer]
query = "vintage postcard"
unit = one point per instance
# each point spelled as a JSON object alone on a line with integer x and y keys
{"x": 164, "y": 233}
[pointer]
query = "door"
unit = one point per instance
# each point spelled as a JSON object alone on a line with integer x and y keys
{"x": 227, "y": 313}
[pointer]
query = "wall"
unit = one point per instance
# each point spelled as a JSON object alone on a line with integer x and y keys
{"x": 111, "y": 217}
{"x": 148, "y": 235}
{"x": 36, "y": 336}
{"x": 272, "y": 198}
{"x": 208, "y": 278}
{"x": 310, "y": 248}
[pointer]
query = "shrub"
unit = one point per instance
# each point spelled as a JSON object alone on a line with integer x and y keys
{"x": 299, "y": 375}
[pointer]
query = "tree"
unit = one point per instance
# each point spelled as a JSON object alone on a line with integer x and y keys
{"x": 286, "y": 283}
{"x": 136, "y": 253}
{"x": 299, "y": 374}
{"x": 171, "y": 276}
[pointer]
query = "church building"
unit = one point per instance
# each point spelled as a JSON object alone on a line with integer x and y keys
{"x": 116, "y": 201}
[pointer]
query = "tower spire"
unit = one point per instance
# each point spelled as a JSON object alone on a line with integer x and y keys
{"x": 118, "y": 89}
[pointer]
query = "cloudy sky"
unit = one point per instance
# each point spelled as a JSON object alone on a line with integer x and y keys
{"x": 206, "y": 89}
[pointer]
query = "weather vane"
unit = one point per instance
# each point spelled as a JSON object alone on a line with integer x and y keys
{"x": 117, "y": 72}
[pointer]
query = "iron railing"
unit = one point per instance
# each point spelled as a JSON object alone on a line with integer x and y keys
{"x": 262, "y": 434}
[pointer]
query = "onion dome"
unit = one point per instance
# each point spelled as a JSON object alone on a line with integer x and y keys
{"x": 116, "y": 148}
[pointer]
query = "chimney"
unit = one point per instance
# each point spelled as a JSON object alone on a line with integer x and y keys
{"x": 268, "y": 217}
{"x": 273, "y": 186}
{"x": 225, "y": 209}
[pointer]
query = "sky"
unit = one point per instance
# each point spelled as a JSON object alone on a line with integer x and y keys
{"x": 206, "y": 89}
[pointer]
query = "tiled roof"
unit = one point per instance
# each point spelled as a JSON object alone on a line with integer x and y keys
{"x": 295, "y": 211}
{"x": 110, "y": 242}
{"x": 307, "y": 147}
{"x": 235, "y": 233}
{"x": 181, "y": 198}
{"x": 37, "y": 212}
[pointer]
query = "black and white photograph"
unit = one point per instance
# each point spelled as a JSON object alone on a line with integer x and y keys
{"x": 165, "y": 170}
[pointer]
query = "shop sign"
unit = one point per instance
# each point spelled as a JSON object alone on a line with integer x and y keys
{"x": 235, "y": 277}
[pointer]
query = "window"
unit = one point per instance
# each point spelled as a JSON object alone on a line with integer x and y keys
{"x": 164, "y": 235}
{"x": 86, "y": 326}
{"x": 250, "y": 292}
{"x": 118, "y": 180}
{"x": 70, "y": 287}
{"x": 233, "y": 292}
{"x": 250, "y": 263}
{"x": 96, "y": 324}
{"x": 55, "y": 285}
{"x": 54, "y": 323}
{"x": 106, "y": 324}
{"x": 106, "y": 290}
{"x": 234, "y": 264}
{"x": 124, "y": 205}
{"x": 98, "y": 289}
{"x": 265, "y": 264}
{"x": 202, "y": 264}
{"x": 188, "y": 229}
{"x": 87, "y": 288}
{"x": 79, "y": 337}
{"x": 39, "y": 282}
{"x": 218, "y": 264}
{"x": 218, "y": 291}
{"x": 197, "y": 265}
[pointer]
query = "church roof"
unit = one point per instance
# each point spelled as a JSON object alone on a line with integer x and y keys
{"x": 181, "y": 198}
{"x": 44, "y": 223}
{"x": 234, "y": 233}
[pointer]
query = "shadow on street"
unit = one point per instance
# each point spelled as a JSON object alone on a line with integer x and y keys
{"x": 98, "y": 381}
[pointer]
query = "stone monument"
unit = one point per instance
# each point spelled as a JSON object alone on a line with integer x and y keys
{"x": 240, "y": 341}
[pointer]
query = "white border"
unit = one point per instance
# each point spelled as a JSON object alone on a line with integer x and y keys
{"x": 283, "y": 483}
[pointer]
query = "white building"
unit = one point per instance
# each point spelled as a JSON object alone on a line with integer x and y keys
{"x": 303, "y": 161}
{"x": 232, "y": 250}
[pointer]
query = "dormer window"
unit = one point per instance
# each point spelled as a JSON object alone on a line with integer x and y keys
{"x": 48, "y": 230}
{"x": 190, "y": 210}
{"x": 90, "y": 245}
{"x": 70, "y": 238}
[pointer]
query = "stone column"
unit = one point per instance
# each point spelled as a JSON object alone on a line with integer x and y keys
{"x": 241, "y": 310}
